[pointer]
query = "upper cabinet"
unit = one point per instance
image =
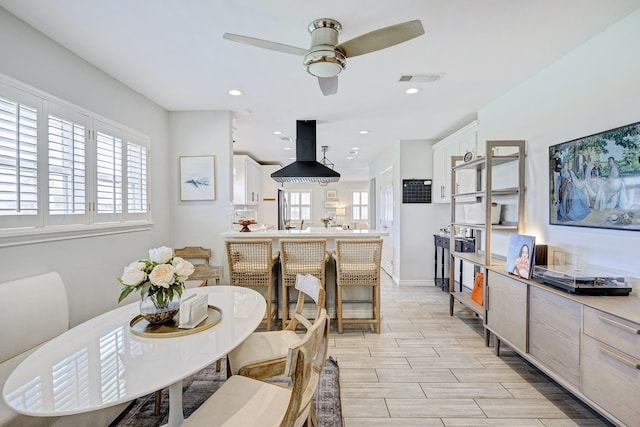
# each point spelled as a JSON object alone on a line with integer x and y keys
{"x": 457, "y": 144}
{"x": 246, "y": 180}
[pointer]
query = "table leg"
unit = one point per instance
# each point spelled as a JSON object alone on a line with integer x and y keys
{"x": 176, "y": 416}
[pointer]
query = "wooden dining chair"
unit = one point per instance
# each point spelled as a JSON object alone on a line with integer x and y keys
{"x": 358, "y": 265}
{"x": 300, "y": 256}
{"x": 264, "y": 354}
{"x": 200, "y": 258}
{"x": 243, "y": 401}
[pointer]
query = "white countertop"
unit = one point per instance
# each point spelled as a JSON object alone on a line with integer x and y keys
{"x": 321, "y": 232}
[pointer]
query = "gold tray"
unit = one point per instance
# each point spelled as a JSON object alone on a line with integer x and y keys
{"x": 139, "y": 326}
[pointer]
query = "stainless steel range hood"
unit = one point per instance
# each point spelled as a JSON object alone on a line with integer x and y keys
{"x": 306, "y": 168}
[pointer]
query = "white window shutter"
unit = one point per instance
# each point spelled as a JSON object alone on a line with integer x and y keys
{"x": 67, "y": 190}
{"x": 19, "y": 202}
{"x": 109, "y": 173}
{"x": 136, "y": 177}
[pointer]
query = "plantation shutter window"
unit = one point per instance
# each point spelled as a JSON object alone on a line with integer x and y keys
{"x": 109, "y": 179}
{"x": 18, "y": 159}
{"x": 137, "y": 202}
{"x": 66, "y": 172}
{"x": 67, "y": 167}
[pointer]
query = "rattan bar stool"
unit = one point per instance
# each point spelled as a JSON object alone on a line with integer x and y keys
{"x": 358, "y": 265}
{"x": 300, "y": 256}
{"x": 251, "y": 264}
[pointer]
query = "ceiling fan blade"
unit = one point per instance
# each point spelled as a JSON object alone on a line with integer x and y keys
{"x": 265, "y": 44}
{"x": 328, "y": 85}
{"x": 382, "y": 38}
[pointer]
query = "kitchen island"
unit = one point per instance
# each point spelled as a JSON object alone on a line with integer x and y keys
{"x": 330, "y": 234}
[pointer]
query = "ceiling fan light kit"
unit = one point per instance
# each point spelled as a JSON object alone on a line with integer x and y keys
{"x": 325, "y": 59}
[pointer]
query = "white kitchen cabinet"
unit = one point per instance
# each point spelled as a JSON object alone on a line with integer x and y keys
{"x": 246, "y": 180}
{"x": 457, "y": 144}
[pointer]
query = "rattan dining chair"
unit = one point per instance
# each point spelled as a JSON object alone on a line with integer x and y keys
{"x": 243, "y": 401}
{"x": 251, "y": 264}
{"x": 264, "y": 354}
{"x": 300, "y": 256}
{"x": 200, "y": 257}
{"x": 358, "y": 265}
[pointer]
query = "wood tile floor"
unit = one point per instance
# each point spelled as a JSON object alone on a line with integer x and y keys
{"x": 427, "y": 368}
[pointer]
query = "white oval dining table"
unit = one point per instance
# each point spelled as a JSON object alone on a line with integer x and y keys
{"x": 101, "y": 363}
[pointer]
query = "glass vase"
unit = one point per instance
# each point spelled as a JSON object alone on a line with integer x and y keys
{"x": 159, "y": 308}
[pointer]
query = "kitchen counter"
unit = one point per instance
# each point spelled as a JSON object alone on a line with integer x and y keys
{"x": 309, "y": 232}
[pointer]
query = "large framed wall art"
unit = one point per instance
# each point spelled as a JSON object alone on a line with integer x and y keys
{"x": 594, "y": 181}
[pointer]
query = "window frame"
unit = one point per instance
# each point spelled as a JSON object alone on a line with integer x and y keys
{"x": 360, "y": 207}
{"x": 17, "y": 229}
{"x": 290, "y": 205}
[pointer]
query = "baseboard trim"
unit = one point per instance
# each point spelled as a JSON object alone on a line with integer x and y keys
{"x": 416, "y": 283}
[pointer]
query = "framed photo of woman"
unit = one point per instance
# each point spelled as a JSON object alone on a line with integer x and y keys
{"x": 520, "y": 255}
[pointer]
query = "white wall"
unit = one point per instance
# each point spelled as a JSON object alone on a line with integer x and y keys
{"x": 319, "y": 197}
{"x": 594, "y": 88}
{"x": 89, "y": 266}
{"x": 199, "y": 223}
{"x": 418, "y": 221}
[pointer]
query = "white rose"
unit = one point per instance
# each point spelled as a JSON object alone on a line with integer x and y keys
{"x": 160, "y": 255}
{"x": 183, "y": 268}
{"x": 133, "y": 276}
{"x": 162, "y": 275}
{"x": 138, "y": 265}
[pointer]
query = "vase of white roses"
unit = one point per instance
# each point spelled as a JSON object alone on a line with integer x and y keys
{"x": 326, "y": 219}
{"x": 160, "y": 281}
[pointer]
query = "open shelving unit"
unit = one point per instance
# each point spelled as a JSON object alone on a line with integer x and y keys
{"x": 499, "y": 177}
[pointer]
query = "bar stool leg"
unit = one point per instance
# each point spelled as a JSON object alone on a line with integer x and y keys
{"x": 269, "y": 307}
{"x": 339, "y": 307}
{"x": 376, "y": 308}
{"x": 285, "y": 304}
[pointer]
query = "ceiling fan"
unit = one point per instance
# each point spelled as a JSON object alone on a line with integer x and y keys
{"x": 325, "y": 59}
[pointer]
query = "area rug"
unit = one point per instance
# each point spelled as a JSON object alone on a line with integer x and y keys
{"x": 197, "y": 388}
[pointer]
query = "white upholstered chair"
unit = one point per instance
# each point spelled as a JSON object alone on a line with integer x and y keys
{"x": 243, "y": 401}
{"x": 263, "y": 354}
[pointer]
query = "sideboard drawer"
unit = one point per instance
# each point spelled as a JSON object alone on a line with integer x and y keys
{"x": 614, "y": 331}
{"x": 611, "y": 379}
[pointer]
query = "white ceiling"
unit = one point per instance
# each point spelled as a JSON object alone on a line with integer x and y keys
{"x": 172, "y": 52}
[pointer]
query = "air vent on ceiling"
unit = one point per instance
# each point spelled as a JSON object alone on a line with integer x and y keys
{"x": 286, "y": 139}
{"x": 421, "y": 78}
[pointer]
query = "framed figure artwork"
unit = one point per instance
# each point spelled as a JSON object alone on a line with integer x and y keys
{"x": 332, "y": 194}
{"x": 520, "y": 255}
{"x": 594, "y": 181}
{"x": 197, "y": 178}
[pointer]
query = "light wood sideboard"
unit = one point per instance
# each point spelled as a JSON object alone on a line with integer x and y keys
{"x": 588, "y": 344}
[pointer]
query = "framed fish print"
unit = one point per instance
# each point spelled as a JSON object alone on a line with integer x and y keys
{"x": 197, "y": 178}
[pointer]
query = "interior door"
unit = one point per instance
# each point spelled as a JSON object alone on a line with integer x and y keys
{"x": 385, "y": 218}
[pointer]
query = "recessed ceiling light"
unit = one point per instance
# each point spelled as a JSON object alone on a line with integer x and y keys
{"x": 355, "y": 148}
{"x": 364, "y": 132}
{"x": 412, "y": 90}
{"x": 349, "y": 158}
{"x": 287, "y": 148}
{"x": 277, "y": 132}
{"x": 292, "y": 158}
{"x": 235, "y": 92}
